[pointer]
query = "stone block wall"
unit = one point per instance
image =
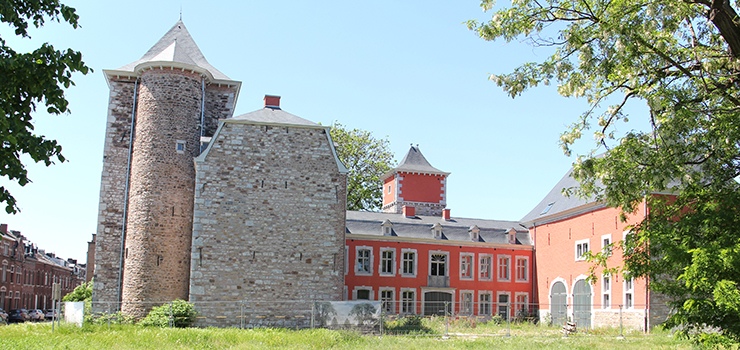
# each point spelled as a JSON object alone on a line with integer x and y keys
{"x": 268, "y": 229}
{"x": 112, "y": 193}
{"x": 630, "y": 318}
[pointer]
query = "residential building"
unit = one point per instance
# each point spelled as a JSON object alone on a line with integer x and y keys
{"x": 429, "y": 264}
{"x": 564, "y": 229}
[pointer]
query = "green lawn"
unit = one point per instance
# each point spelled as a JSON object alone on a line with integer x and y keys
{"x": 40, "y": 336}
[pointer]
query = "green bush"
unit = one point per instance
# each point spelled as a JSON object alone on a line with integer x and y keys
{"x": 178, "y": 313}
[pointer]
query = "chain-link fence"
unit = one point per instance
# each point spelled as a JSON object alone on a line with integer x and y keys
{"x": 393, "y": 317}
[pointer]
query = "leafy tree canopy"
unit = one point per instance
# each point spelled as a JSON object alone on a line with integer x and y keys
{"x": 30, "y": 79}
{"x": 679, "y": 59}
{"x": 83, "y": 292}
{"x": 367, "y": 159}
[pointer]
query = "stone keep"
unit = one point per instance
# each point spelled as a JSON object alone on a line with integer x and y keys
{"x": 269, "y": 223}
{"x": 160, "y": 109}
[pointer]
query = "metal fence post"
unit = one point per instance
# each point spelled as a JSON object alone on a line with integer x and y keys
{"x": 447, "y": 319}
{"x": 621, "y": 326}
{"x": 108, "y": 316}
{"x": 241, "y": 314}
{"x": 172, "y": 317}
{"x": 508, "y": 319}
{"x": 313, "y": 314}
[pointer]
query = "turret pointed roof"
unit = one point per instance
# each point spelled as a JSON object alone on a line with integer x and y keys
{"x": 414, "y": 162}
{"x": 175, "y": 48}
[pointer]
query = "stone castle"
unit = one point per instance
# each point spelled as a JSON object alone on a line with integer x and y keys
{"x": 197, "y": 204}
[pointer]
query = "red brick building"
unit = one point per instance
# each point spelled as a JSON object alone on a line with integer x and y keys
{"x": 563, "y": 229}
{"x": 418, "y": 264}
{"x": 27, "y": 273}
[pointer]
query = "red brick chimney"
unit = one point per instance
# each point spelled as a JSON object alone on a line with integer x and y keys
{"x": 446, "y": 214}
{"x": 272, "y": 101}
{"x": 409, "y": 211}
{"x": 4, "y": 228}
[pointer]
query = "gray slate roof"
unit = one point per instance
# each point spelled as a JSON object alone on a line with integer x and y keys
{"x": 275, "y": 116}
{"x": 415, "y": 162}
{"x": 556, "y": 201}
{"x": 176, "y": 46}
{"x": 491, "y": 231}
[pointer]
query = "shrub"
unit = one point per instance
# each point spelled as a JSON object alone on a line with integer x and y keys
{"x": 178, "y": 313}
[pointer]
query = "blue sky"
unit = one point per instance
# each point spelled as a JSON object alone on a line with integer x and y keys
{"x": 409, "y": 71}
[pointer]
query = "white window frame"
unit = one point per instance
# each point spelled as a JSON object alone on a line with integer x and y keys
{"x": 581, "y": 247}
{"x": 629, "y": 289}
{"x": 359, "y": 288}
{"x": 484, "y": 306}
{"x": 518, "y": 305}
{"x": 357, "y": 265}
{"x": 407, "y": 302}
{"x": 506, "y": 278}
{"x": 381, "y": 264}
{"x": 606, "y": 292}
{"x": 467, "y": 307}
{"x": 482, "y": 269}
{"x": 180, "y": 146}
{"x": 414, "y": 262}
{"x": 470, "y": 257}
{"x": 606, "y": 248}
{"x": 446, "y": 262}
{"x": 391, "y": 303}
{"x": 526, "y": 269}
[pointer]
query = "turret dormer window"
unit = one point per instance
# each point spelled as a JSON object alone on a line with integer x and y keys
{"x": 511, "y": 236}
{"x": 387, "y": 228}
{"x": 474, "y": 232}
{"x": 437, "y": 231}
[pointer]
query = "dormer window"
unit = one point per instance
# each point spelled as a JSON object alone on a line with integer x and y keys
{"x": 511, "y": 236}
{"x": 387, "y": 228}
{"x": 437, "y": 231}
{"x": 474, "y": 232}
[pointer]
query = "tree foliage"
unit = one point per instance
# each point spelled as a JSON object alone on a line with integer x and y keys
{"x": 178, "y": 313}
{"x": 83, "y": 292}
{"x": 367, "y": 159}
{"x": 30, "y": 79}
{"x": 679, "y": 59}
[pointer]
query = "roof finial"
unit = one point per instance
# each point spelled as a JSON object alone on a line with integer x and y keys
{"x": 181, "y": 12}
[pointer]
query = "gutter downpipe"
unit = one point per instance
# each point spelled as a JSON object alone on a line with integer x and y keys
{"x": 125, "y": 194}
{"x": 202, "y": 109}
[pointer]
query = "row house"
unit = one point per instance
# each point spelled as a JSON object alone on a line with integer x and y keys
{"x": 28, "y": 273}
{"x": 417, "y": 259}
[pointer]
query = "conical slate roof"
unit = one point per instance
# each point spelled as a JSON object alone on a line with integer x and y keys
{"x": 415, "y": 162}
{"x": 176, "y": 46}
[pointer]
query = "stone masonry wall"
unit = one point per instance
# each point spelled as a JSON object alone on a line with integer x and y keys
{"x": 160, "y": 213}
{"x": 659, "y": 308}
{"x": 268, "y": 231}
{"x": 112, "y": 185}
{"x": 220, "y": 101}
{"x": 630, "y": 318}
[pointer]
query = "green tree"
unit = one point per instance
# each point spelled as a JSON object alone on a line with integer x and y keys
{"x": 680, "y": 60}
{"x": 29, "y": 79}
{"x": 83, "y": 292}
{"x": 367, "y": 159}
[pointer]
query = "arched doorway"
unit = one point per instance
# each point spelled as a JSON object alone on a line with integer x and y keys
{"x": 434, "y": 303}
{"x": 582, "y": 304}
{"x": 558, "y": 303}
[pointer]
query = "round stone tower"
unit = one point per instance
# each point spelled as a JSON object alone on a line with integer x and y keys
{"x": 160, "y": 212}
{"x": 162, "y": 108}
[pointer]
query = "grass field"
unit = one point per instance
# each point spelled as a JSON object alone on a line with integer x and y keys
{"x": 526, "y": 336}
